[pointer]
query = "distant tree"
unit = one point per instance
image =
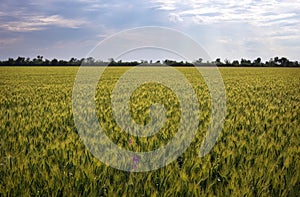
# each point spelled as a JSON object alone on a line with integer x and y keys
{"x": 257, "y": 62}
{"x": 90, "y": 60}
{"x": 27, "y": 61}
{"x": 74, "y": 62}
{"x": 245, "y": 62}
{"x": 20, "y": 61}
{"x": 40, "y": 58}
{"x": 276, "y": 59}
{"x": 54, "y": 62}
{"x": 62, "y": 63}
{"x": 283, "y": 61}
{"x": 11, "y": 61}
{"x": 218, "y": 62}
{"x": 111, "y": 60}
{"x": 235, "y": 63}
{"x": 270, "y": 63}
{"x": 168, "y": 62}
{"x": 46, "y": 62}
{"x": 227, "y": 62}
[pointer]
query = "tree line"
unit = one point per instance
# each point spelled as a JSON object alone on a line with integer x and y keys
{"x": 90, "y": 61}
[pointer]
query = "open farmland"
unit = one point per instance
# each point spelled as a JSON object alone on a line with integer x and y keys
{"x": 257, "y": 153}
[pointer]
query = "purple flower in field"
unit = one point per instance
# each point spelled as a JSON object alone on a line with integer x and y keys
{"x": 135, "y": 162}
{"x": 136, "y": 159}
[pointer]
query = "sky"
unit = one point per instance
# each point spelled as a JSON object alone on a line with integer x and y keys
{"x": 225, "y": 29}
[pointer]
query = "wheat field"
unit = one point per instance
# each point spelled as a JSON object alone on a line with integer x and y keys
{"x": 256, "y": 154}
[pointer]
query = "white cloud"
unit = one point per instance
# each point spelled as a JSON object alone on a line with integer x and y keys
{"x": 8, "y": 41}
{"x": 173, "y": 17}
{"x": 255, "y": 12}
{"x": 97, "y": 5}
{"x": 34, "y": 23}
{"x": 247, "y": 27}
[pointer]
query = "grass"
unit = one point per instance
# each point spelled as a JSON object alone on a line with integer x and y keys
{"x": 257, "y": 153}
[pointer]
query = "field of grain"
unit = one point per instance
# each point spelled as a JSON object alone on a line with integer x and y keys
{"x": 257, "y": 152}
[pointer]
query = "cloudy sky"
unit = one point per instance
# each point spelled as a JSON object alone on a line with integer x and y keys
{"x": 226, "y": 29}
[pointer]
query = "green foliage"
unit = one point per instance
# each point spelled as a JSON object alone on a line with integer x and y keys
{"x": 257, "y": 153}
